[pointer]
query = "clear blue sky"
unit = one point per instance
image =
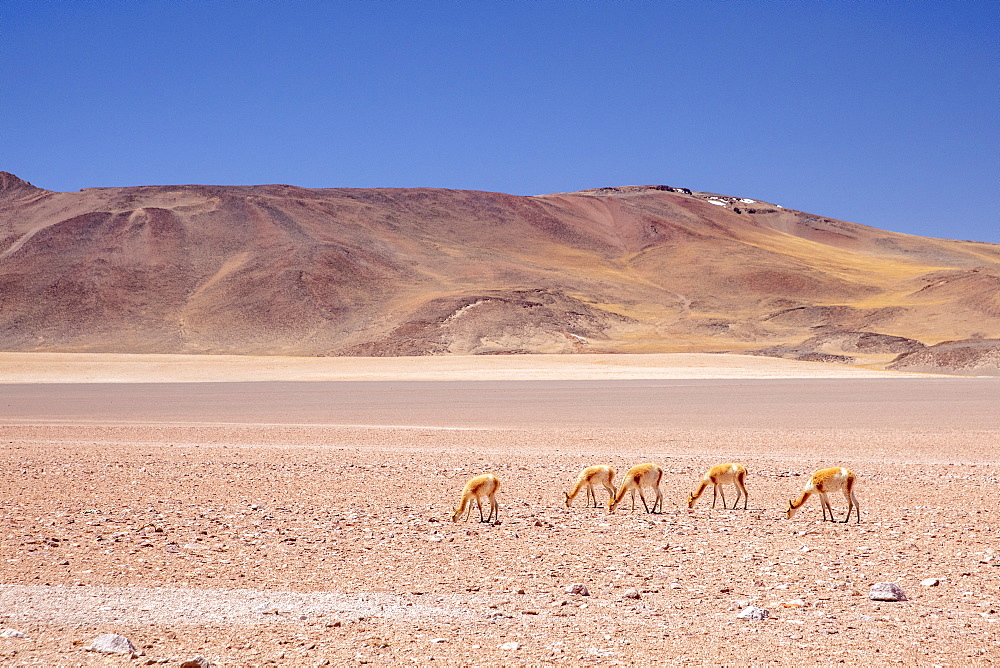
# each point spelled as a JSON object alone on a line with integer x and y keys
{"x": 883, "y": 113}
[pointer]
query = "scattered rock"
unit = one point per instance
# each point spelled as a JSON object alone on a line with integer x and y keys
{"x": 197, "y": 662}
{"x": 754, "y": 613}
{"x": 12, "y": 633}
{"x": 930, "y": 582}
{"x": 794, "y": 603}
{"x": 112, "y": 643}
{"x": 886, "y": 591}
{"x": 439, "y": 640}
{"x": 631, "y": 593}
{"x": 578, "y": 588}
{"x": 511, "y": 646}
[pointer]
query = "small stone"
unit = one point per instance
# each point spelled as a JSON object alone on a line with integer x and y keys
{"x": 439, "y": 640}
{"x": 11, "y": 633}
{"x": 112, "y": 643}
{"x": 578, "y": 588}
{"x": 631, "y": 593}
{"x": 197, "y": 662}
{"x": 794, "y": 603}
{"x": 930, "y": 582}
{"x": 754, "y": 613}
{"x": 511, "y": 646}
{"x": 886, "y": 591}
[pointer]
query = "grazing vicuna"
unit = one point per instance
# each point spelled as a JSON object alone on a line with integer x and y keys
{"x": 717, "y": 476}
{"x": 485, "y": 485}
{"x": 824, "y": 481}
{"x": 642, "y": 475}
{"x": 590, "y": 476}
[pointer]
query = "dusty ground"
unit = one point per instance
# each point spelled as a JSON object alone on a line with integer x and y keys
{"x": 299, "y": 523}
{"x": 120, "y": 368}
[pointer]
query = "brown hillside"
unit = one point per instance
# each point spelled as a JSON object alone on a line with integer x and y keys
{"x": 283, "y": 270}
{"x": 976, "y": 357}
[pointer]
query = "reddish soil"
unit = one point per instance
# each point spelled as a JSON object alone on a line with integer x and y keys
{"x": 241, "y": 523}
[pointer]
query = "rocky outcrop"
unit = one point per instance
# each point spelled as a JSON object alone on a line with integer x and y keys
{"x": 12, "y": 185}
{"x": 971, "y": 357}
{"x": 871, "y": 343}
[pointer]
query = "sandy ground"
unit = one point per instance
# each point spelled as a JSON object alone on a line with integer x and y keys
{"x": 113, "y": 368}
{"x": 303, "y": 523}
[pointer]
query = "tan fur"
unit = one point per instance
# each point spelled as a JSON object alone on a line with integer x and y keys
{"x": 590, "y": 476}
{"x": 485, "y": 485}
{"x": 642, "y": 475}
{"x": 824, "y": 481}
{"x": 722, "y": 474}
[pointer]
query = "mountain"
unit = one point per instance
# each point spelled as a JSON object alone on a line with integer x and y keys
{"x": 281, "y": 270}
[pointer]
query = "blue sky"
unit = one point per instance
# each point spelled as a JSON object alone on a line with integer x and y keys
{"x": 882, "y": 113}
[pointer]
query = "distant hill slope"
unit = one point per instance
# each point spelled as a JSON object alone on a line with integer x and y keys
{"x": 277, "y": 269}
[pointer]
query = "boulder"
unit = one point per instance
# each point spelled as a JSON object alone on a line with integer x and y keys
{"x": 887, "y": 591}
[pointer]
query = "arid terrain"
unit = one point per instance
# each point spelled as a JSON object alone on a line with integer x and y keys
{"x": 236, "y": 422}
{"x": 301, "y": 523}
{"x": 281, "y": 270}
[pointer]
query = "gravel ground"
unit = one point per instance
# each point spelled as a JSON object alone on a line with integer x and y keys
{"x": 301, "y": 544}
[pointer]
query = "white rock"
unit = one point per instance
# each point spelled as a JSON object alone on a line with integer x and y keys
{"x": 11, "y": 633}
{"x": 930, "y": 582}
{"x": 511, "y": 646}
{"x": 578, "y": 588}
{"x": 886, "y": 591}
{"x": 754, "y": 613}
{"x": 631, "y": 593}
{"x": 112, "y": 643}
{"x": 201, "y": 662}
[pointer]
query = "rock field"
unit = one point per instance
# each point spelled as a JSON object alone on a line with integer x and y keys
{"x": 307, "y": 545}
{"x": 245, "y": 543}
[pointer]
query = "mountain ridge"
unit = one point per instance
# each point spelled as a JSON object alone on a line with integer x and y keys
{"x": 279, "y": 269}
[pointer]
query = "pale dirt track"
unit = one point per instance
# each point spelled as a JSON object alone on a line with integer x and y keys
{"x": 114, "y": 368}
{"x": 304, "y": 522}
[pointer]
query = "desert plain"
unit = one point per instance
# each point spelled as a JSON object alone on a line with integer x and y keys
{"x": 265, "y": 511}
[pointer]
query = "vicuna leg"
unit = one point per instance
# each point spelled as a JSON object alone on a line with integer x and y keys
{"x": 643, "y": 497}
{"x": 852, "y": 502}
{"x": 741, "y": 487}
{"x": 826, "y": 506}
{"x": 610, "y": 490}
